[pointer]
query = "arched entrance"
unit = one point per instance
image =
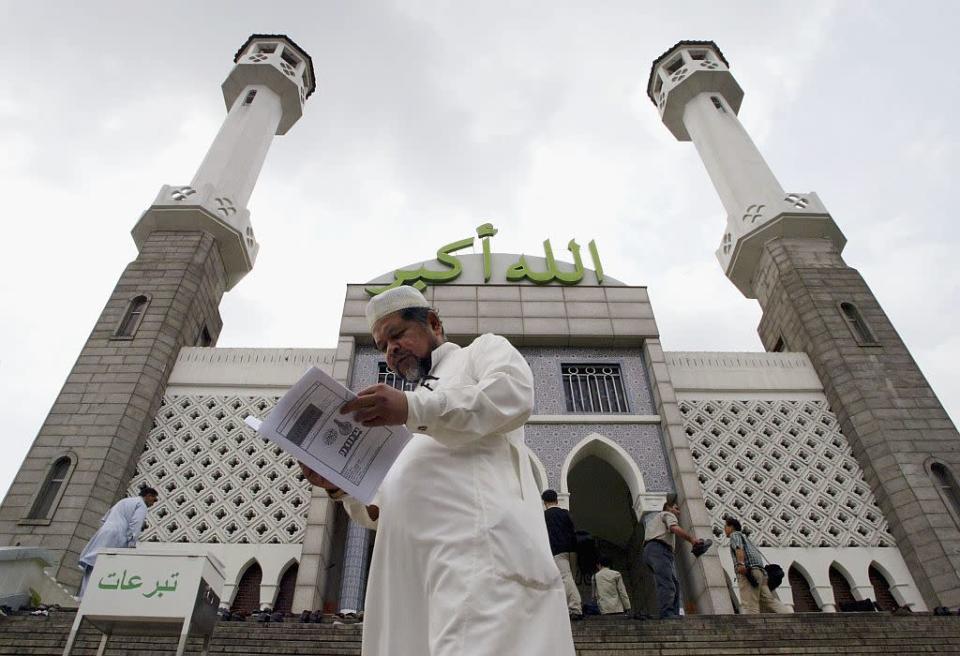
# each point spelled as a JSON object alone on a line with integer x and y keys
{"x": 603, "y": 484}
{"x": 247, "y": 598}
{"x": 288, "y": 583}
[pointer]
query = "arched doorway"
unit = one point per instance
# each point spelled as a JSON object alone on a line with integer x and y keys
{"x": 842, "y": 592}
{"x": 881, "y": 590}
{"x": 603, "y": 484}
{"x": 247, "y": 598}
{"x": 803, "y": 599}
{"x": 288, "y": 583}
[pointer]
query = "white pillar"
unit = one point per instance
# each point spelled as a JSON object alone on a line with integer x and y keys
{"x": 236, "y": 156}
{"x": 735, "y": 165}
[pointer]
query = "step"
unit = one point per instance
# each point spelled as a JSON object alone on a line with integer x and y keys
{"x": 814, "y": 633}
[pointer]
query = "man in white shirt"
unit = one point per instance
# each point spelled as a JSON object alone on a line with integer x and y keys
{"x": 119, "y": 529}
{"x": 461, "y": 563}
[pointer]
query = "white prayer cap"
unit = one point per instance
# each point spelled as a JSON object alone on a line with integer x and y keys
{"x": 393, "y": 300}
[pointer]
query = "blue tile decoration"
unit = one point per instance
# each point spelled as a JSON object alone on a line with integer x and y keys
{"x": 545, "y": 363}
{"x": 552, "y": 443}
{"x": 353, "y": 583}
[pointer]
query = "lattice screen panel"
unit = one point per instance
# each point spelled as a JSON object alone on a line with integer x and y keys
{"x": 218, "y": 481}
{"x": 785, "y": 470}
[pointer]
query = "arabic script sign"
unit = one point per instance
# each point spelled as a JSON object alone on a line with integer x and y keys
{"x": 521, "y": 270}
{"x": 125, "y": 585}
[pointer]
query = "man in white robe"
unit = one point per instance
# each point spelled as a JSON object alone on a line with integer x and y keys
{"x": 461, "y": 563}
{"x": 119, "y": 529}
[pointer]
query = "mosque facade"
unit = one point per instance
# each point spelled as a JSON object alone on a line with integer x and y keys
{"x": 829, "y": 446}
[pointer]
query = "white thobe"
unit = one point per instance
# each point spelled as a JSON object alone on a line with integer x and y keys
{"x": 461, "y": 563}
{"x": 120, "y": 528}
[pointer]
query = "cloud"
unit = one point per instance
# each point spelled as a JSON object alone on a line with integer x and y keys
{"x": 431, "y": 118}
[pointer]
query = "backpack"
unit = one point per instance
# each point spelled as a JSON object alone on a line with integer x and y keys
{"x": 774, "y": 575}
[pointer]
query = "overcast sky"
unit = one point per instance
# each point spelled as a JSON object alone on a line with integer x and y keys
{"x": 431, "y": 118}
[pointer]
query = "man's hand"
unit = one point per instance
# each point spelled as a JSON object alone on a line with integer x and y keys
{"x": 378, "y": 405}
{"x": 316, "y": 479}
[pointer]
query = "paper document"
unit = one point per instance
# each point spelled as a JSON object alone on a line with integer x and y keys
{"x": 307, "y": 424}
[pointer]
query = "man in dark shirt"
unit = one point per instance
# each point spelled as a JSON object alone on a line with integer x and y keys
{"x": 563, "y": 542}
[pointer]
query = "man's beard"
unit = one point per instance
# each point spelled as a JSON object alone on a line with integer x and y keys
{"x": 414, "y": 373}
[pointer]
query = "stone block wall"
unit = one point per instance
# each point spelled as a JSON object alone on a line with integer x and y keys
{"x": 894, "y": 422}
{"x": 104, "y": 411}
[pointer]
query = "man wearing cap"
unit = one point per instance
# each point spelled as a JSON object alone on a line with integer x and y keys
{"x": 461, "y": 563}
{"x": 661, "y": 532}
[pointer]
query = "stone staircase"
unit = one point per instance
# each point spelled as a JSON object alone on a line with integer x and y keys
{"x": 814, "y": 633}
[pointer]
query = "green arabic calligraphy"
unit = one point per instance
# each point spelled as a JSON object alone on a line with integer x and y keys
{"x": 134, "y": 582}
{"x": 485, "y": 232}
{"x": 419, "y": 277}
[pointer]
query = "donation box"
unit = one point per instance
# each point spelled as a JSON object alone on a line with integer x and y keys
{"x": 151, "y": 593}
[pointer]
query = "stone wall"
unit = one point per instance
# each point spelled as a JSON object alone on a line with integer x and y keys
{"x": 106, "y": 407}
{"x": 894, "y": 422}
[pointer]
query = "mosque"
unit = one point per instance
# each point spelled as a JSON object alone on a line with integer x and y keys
{"x": 830, "y": 446}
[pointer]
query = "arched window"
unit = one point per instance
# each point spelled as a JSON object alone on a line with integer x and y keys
{"x": 881, "y": 590}
{"x": 247, "y": 598}
{"x": 45, "y": 503}
{"x": 946, "y": 484}
{"x": 288, "y": 583}
{"x": 803, "y": 600}
{"x": 132, "y": 317}
{"x": 858, "y": 326}
{"x": 842, "y": 593}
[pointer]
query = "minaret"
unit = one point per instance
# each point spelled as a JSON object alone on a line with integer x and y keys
{"x": 264, "y": 93}
{"x": 195, "y": 242}
{"x": 784, "y": 249}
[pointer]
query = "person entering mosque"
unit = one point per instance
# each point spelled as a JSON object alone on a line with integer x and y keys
{"x": 608, "y": 588}
{"x": 461, "y": 563}
{"x": 563, "y": 543}
{"x": 755, "y": 594}
{"x": 120, "y": 528}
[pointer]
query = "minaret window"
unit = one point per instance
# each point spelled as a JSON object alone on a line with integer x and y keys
{"x": 858, "y": 326}
{"x": 718, "y": 104}
{"x": 250, "y": 96}
{"x": 698, "y": 55}
{"x": 289, "y": 58}
{"x": 52, "y": 489}
{"x": 204, "y": 338}
{"x": 675, "y": 65}
{"x": 132, "y": 317}
{"x": 948, "y": 488}
{"x": 267, "y": 48}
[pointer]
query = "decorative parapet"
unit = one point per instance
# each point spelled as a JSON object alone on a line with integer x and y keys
{"x": 703, "y": 374}
{"x": 247, "y": 371}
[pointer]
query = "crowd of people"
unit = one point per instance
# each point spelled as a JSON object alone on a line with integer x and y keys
{"x": 661, "y": 531}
